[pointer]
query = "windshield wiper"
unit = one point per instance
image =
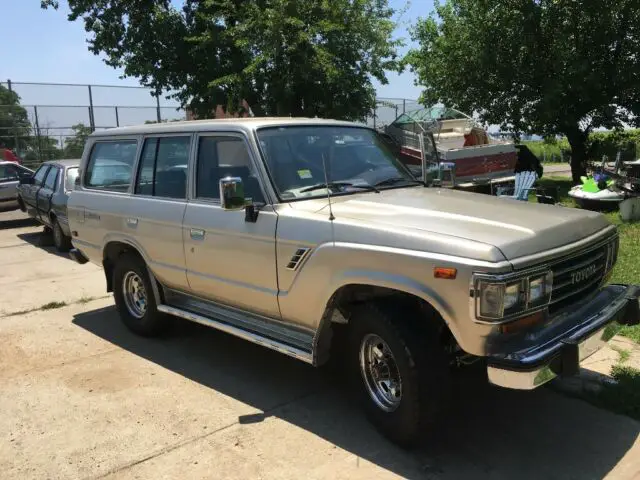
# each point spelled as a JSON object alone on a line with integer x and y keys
{"x": 394, "y": 180}
{"x": 318, "y": 186}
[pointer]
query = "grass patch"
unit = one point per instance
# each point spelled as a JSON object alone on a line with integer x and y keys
{"x": 625, "y": 355}
{"x": 623, "y": 397}
{"x": 84, "y": 300}
{"x": 46, "y": 306}
{"x": 52, "y": 305}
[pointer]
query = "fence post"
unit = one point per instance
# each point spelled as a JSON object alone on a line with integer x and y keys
{"x": 158, "y": 107}
{"x": 92, "y": 120}
{"x": 117, "y": 117}
{"x": 15, "y": 139}
{"x": 35, "y": 112}
{"x": 404, "y": 105}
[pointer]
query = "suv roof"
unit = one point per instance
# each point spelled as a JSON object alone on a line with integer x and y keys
{"x": 218, "y": 124}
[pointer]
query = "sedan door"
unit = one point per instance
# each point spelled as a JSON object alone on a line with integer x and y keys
{"x": 30, "y": 191}
{"x": 44, "y": 194}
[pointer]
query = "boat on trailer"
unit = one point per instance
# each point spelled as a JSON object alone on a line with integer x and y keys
{"x": 472, "y": 155}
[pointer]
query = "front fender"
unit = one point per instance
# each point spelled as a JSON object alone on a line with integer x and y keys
{"x": 332, "y": 266}
{"x": 393, "y": 281}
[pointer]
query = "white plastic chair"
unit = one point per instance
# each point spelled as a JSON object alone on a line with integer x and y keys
{"x": 523, "y": 185}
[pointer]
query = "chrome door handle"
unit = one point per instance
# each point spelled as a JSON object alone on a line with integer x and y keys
{"x": 132, "y": 222}
{"x": 197, "y": 234}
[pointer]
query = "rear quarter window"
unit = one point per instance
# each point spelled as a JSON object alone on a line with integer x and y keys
{"x": 110, "y": 165}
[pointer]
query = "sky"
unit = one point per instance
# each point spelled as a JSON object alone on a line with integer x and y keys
{"x": 43, "y": 46}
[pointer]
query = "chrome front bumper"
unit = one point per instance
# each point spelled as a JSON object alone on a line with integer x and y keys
{"x": 593, "y": 324}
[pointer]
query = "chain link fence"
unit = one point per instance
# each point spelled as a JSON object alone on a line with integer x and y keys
{"x": 52, "y": 121}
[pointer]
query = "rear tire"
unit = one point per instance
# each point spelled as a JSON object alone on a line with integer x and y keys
{"x": 134, "y": 297}
{"x": 60, "y": 240}
{"x": 382, "y": 344}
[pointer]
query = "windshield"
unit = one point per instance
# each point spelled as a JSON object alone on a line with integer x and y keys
{"x": 354, "y": 157}
{"x": 70, "y": 182}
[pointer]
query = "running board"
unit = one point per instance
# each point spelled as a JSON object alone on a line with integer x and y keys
{"x": 238, "y": 332}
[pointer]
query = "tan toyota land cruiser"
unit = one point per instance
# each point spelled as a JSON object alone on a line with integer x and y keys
{"x": 302, "y": 234}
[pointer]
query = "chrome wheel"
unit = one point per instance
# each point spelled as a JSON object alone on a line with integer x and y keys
{"x": 380, "y": 373}
{"x": 135, "y": 295}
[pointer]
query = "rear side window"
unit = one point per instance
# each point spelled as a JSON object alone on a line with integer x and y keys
{"x": 163, "y": 167}
{"x": 50, "y": 181}
{"x": 110, "y": 165}
{"x": 38, "y": 178}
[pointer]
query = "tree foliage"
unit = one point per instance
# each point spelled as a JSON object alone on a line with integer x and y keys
{"x": 74, "y": 145}
{"x": 14, "y": 121}
{"x": 534, "y": 66}
{"x": 284, "y": 57}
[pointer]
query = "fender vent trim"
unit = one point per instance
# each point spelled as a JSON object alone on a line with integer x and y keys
{"x": 297, "y": 258}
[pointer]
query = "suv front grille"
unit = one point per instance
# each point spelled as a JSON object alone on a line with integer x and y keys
{"x": 579, "y": 275}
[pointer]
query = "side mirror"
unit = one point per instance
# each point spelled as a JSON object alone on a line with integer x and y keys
{"x": 26, "y": 180}
{"x": 232, "y": 193}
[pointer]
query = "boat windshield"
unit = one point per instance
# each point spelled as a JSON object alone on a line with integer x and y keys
{"x": 302, "y": 160}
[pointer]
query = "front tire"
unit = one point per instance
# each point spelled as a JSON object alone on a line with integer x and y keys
{"x": 401, "y": 373}
{"x": 134, "y": 297}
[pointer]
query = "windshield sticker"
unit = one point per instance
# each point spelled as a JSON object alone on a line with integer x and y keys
{"x": 303, "y": 174}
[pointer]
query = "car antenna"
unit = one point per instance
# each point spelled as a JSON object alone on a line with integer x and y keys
{"x": 326, "y": 182}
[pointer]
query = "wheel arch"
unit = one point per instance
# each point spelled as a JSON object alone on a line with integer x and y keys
{"x": 113, "y": 250}
{"x": 336, "y": 313}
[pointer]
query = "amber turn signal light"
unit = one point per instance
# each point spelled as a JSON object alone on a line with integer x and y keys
{"x": 445, "y": 273}
{"x": 523, "y": 323}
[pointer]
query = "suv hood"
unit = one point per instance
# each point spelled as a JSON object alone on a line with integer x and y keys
{"x": 517, "y": 228}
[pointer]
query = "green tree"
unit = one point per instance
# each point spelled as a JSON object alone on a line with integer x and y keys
{"x": 74, "y": 145}
{"x": 534, "y": 66}
{"x": 39, "y": 149}
{"x": 14, "y": 121}
{"x": 284, "y": 57}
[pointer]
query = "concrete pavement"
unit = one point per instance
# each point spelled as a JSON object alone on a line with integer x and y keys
{"x": 33, "y": 273}
{"x": 82, "y": 397}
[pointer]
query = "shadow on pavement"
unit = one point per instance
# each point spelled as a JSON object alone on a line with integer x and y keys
{"x": 43, "y": 241}
{"x": 492, "y": 433}
{"x": 17, "y": 223}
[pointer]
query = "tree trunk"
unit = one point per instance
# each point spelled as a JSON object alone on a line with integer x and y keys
{"x": 578, "y": 141}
